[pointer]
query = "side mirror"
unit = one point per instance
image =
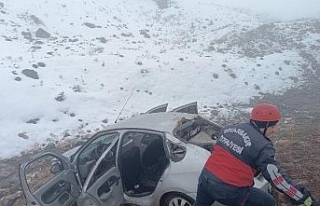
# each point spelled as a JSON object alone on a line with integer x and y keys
{"x": 178, "y": 152}
{"x": 56, "y": 167}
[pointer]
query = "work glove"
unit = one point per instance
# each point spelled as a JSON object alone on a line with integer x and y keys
{"x": 307, "y": 199}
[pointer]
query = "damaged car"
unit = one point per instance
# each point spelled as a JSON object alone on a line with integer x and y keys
{"x": 153, "y": 159}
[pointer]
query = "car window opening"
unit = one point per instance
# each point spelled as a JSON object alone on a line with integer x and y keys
{"x": 142, "y": 162}
{"x": 90, "y": 155}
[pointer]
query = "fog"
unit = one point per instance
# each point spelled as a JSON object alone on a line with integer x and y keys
{"x": 282, "y": 10}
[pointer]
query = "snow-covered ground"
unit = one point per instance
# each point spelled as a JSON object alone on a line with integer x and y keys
{"x": 68, "y": 67}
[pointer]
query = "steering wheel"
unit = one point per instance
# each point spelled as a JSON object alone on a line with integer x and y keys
{"x": 98, "y": 151}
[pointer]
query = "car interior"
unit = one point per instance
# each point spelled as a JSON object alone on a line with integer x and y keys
{"x": 142, "y": 162}
{"x": 92, "y": 153}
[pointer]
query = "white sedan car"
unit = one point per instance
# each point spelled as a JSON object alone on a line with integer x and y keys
{"x": 153, "y": 159}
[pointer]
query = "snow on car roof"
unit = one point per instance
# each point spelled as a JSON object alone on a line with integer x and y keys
{"x": 164, "y": 121}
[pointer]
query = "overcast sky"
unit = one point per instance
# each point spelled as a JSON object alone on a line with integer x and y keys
{"x": 278, "y": 9}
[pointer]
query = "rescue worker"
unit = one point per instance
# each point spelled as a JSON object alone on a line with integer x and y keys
{"x": 242, "y": 152}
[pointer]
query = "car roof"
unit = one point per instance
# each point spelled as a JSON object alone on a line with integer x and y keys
{"x": 163, "y": 121}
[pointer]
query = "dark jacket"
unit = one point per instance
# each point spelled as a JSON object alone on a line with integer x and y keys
{"x": 241, "y": 153}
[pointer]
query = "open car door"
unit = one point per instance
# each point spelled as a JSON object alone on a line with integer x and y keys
{"x": 102, "y": 186}
{"x": 157, "y": 109}
{"x": 92, "y": 179}
{"x": 48, "y": 179}
{"x": 191, "y": 108}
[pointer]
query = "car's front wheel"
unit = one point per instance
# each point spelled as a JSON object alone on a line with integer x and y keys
{"x": 177, "y": 199}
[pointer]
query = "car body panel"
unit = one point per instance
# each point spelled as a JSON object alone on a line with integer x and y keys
{"x": 183, "y": 176}
{"x": 186, "y": 143}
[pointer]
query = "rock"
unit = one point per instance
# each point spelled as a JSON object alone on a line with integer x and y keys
{"x": 105, "y": 121}
{"x": 233, "y": 75}
{"x": 90, "y": 25}
{"x": 73, "y": 40}
{"x": 257, "y": 87}
{"x": 36, "y": 20}
{"x": 41, "y": 33}
{"x": 127, "y": 34}
{"x": 38, "y": 42}
{"x": 35, "y": 66}
{"x": 18, "y": 79}
{"x": 61, "y": 97}
{"x": 145, "y": 34}
{"x": 66, "y": 134}
{"x": 35, "y": 48}
{"x": 30, "y": 73}
{"x": 33, "y": 121}
{"x": 287, "y": 62}
{"x": 77, "y": 88}
{"x": 23, "y": 135}
{"x": 102, "y": 39}
{"x": 41, "y": 64}
{"x": 216, "y": 76}
{"x": 27, "y": 35}
{"x": 162, "y": 4}
{"x": 1, "y": 5}
{"x": 315, "y": 65}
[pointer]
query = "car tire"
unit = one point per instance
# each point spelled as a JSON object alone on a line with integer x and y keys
{"x": 177, "y": 199}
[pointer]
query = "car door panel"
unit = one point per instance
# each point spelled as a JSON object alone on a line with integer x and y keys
{"x": 59, "y": 193}
{"x": 103, "y": 183}
{"x": 61, "y": 190}
{"x": 157, "y": 109}
{"x": 191, "y": 108}
{"x": 108, "y": 188}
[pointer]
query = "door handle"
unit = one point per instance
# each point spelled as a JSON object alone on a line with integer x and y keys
{"x": 106, "y": 189}
{"x": 113, "y": 180}
{"x": 106, "y": 195}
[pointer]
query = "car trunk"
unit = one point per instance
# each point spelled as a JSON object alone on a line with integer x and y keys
{"x": 198, "y": 131}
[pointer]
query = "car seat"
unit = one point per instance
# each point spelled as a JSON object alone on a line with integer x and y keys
{"x": 153, "y": 152}
{"x": 131, "y": 167}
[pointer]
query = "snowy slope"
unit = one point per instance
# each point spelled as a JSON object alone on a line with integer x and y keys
{"x": 68, "y": 67}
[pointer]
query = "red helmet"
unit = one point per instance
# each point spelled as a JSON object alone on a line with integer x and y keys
{"x": 265, "y": 113}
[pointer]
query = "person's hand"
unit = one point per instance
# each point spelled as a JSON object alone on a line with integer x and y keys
{"x": 307, "y": 201}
